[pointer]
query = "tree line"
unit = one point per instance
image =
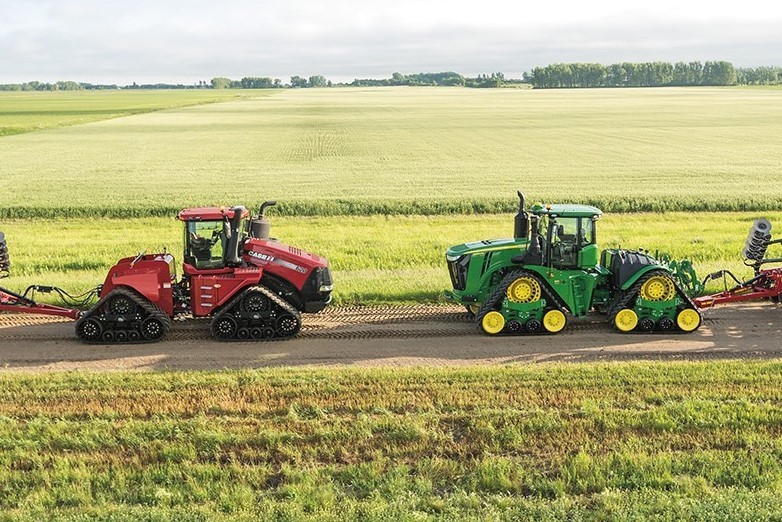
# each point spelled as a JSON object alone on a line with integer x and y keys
{"x": 649, "y": 74}
{"x": 554, "y": 76}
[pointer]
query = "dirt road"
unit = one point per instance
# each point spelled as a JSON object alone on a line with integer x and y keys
{"x": 389, "y": 336}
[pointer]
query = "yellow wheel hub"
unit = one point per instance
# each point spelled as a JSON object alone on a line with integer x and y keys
{"x": 554, "y": 321}
{"x": 525, "y": 289}
{"x": 626, "y": 320}
{"x": 658, "y": 288}
{"x": 688, "y": 320}
{"x": 493, "y": 323}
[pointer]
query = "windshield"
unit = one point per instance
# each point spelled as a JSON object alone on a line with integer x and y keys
{"x": 205, "y": 243}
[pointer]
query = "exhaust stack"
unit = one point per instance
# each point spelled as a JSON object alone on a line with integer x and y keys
{"x": 521, "y": 221}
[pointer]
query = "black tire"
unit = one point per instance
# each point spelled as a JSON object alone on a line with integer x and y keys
{"x": 665, "y": 324}
{"x": 152, "y": 329}
{"x": 243, "y": 333}
{"x": 646, "y": 324}
{"x": 90, "y": 330}
{"x": 515, "y": 327}
{"x": 120, "y": 337}
{"x": 224, "y": 327}
{"x": 287, "y": 325}
{"x": 533, "y": 326}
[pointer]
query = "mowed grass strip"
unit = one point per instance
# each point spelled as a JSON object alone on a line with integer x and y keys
{"x": 412, "y": 150}
{"x": 22, "y": 112}
{"x": 375, "y": 259}
{"x": 695, "y": 441}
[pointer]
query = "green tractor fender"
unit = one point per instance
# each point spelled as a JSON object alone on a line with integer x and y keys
{"x": 642, "y": 272}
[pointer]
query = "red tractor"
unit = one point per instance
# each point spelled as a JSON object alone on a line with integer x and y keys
{"x": 250, "y": 285}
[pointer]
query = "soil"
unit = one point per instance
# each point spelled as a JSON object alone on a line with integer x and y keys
{"x": 420, "y": 335}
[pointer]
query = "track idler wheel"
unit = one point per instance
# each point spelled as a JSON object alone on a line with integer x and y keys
{"x": 90, "y": 330}
{"x": 554, "y": 321}
{"x": 287, "y": 325}
{"x": 492, "y": 323}
{"x": 152, "y": 329}
{"x": 626, "y": 320}
{"x": 688, "y": 320}
{"x": 224, "y": 327}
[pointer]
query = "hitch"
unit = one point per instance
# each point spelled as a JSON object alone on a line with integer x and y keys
{"x": 10, "y": 301}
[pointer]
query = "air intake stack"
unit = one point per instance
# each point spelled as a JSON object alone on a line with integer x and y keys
{"x": 260, "y": 227}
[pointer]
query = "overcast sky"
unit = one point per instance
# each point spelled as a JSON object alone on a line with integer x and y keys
{"x": 107, "y": 41}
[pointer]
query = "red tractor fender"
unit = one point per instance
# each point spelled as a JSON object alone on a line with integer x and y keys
{"x": 150, "y": 275}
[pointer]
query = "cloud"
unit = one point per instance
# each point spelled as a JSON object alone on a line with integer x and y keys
{"x": 186, "y": 41}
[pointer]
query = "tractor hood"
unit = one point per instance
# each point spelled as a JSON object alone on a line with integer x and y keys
{"x": 487, "y": 245}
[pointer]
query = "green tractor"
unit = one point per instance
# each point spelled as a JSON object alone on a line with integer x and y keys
{"x": 552, "y": 269}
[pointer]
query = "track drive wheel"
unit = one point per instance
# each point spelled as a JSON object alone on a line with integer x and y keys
{"x": 554, "y": 321}
{"x": 524, "y": 289}
{"x": 658, "y": 288}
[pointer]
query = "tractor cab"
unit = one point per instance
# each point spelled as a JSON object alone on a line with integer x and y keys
{"x": 208, "y": 236}
{"x": 564, "y": 236}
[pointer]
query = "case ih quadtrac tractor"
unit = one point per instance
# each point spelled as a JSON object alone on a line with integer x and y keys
{"x": 553, "y": 269}
{"x": 250, "y": 285}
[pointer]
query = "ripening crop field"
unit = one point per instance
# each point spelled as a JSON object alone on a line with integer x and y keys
{"x": 405, "y": 150}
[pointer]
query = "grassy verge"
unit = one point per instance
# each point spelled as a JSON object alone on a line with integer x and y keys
{"x": 376, "y": 259}
{"x": 673, "y": 441}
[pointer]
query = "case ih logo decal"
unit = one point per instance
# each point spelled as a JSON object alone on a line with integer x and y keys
{"x": 263, "y": 257}
{"x": 266, "y": 258}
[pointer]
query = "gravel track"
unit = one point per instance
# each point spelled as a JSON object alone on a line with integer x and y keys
{"x": 388, "y": 336}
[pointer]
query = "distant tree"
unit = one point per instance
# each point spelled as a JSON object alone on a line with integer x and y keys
{"x": 316, "y": 81}
{"x": 719, "y": 73}
{"x": 299, "y": 82}
{"x": 221, "y": 83}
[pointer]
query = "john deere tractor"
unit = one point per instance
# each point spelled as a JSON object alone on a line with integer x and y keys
{"x": 552, "y": 270}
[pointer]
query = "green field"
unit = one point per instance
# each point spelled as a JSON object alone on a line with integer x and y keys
{"x": 376, "y": 259}
{"x": 641, "y": 441}
{"x": 408, "y": 150}
{"x": 22, "y": 112}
